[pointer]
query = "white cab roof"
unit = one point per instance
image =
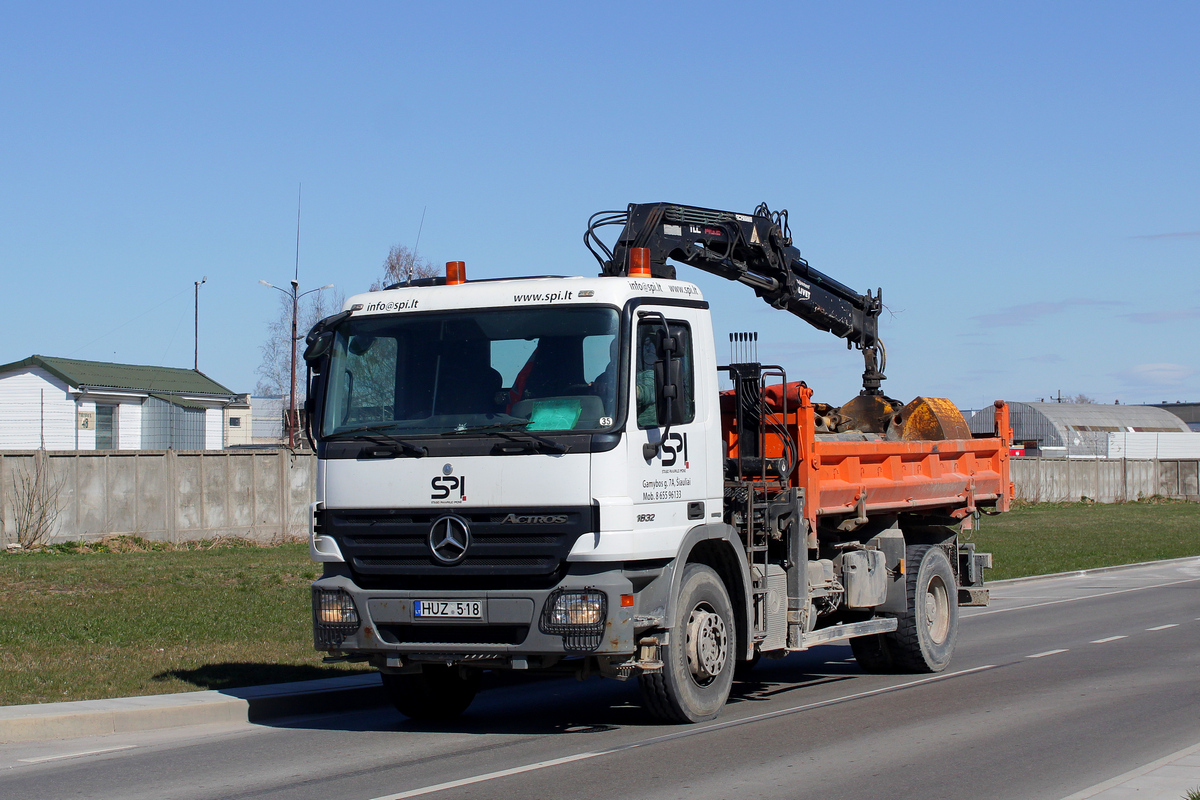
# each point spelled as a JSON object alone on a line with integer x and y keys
{"x": 508, "y": 293}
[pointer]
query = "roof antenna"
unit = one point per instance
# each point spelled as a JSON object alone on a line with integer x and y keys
{"x": 298, "y": 193}
{"x": 413, "y": 261}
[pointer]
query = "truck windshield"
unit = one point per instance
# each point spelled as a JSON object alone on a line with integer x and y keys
{"x": 541, "y": 369}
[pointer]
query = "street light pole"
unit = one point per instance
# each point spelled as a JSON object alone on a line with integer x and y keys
{"x": 292, "y": 421}
{"x": 196, "y": 363}
{"x": 295, "y": 294}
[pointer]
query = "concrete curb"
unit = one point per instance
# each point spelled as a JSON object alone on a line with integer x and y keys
{"x": 1094, "y": 571}
{"x": 1168, "y": 778}
{"x": 42, "y": 721}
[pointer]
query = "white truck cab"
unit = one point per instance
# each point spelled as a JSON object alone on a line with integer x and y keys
{"x": 486, "y": 494}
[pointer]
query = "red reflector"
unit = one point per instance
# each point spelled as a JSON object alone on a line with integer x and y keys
{"x": 626, "y": 601}
{"x": 456, "y": 272}
{"x": 639, "y": 262}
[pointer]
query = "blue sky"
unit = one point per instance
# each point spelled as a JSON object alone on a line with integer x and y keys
{"x": 1021, "y": 179}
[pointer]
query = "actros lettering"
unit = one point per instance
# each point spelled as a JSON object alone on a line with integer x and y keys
{"x": 534, "y": 519}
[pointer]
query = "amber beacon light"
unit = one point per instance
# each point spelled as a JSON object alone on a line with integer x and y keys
{"x": 456, "y": 272}
{"x": 639, "y": 262}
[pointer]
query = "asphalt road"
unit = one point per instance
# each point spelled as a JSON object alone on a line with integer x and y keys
{"x": 1061, "y": 684}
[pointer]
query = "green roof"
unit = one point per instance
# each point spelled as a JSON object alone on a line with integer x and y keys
{"x": 122, "y": 376}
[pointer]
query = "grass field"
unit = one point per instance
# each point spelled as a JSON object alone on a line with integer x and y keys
{"x": 1058, "y": 537}
{"x": 79, "y": 624}
{"x": 83, "y": 625}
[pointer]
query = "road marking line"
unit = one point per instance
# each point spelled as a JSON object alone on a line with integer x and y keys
{"x": 1047, "y": 653}
{"x": 1077, "y": 599}
{"x": 1164, "y": 627}
{"x": 75, "y": 755}
{"x": 554, "y": 762}
{"x": 1109, "y": 639}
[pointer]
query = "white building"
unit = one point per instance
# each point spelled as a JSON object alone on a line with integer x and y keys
{"x": 237, "y": 422}
{"x": 68, "y": 404}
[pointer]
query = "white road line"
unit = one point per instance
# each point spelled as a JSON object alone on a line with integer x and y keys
{"x": 1077, "y": 599}
{"x": 1047, "y": 653}
{"x": 554, "y": 762}
{"x": 75, "y": 755}
{"x": 1164, "y": 627}
{"x": 1109, "y": 639}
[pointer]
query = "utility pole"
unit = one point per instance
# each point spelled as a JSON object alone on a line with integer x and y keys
{"x": 293, "y": 423}
{"x": 295, "y": 294}
{"x": 196, "y": 363}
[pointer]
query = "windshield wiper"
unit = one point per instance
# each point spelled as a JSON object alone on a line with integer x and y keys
{"x": 509, "y": 429}
{"x": 493, "y": 427}
{"x": 398, "y": 446}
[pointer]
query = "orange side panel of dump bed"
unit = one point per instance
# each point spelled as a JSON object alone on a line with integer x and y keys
{"x": 861, "y": 478}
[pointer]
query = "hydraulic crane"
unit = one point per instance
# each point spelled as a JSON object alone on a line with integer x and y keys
{"x": 755, "y": 250}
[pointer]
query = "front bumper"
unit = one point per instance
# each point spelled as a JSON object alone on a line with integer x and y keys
{"x": 509, "y": 627}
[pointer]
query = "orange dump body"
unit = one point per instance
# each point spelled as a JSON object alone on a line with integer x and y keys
{"x": 861, "y": 478}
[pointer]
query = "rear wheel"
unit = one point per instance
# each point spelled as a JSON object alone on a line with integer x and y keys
{"x": 435, "y": 693}
{"x": 698, "y": 662}
{"x": 927, "y": 631}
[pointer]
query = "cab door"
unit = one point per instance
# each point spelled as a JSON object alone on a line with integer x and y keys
{"x": 670, "y": 485}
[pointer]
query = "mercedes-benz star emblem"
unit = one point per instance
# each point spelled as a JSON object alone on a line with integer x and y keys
{"x": 449, "y": 538}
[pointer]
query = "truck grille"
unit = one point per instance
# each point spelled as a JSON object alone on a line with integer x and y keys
{"x": 382, "y": 545}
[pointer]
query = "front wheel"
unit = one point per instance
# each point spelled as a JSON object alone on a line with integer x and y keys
{"x": 698, "y": 662}
{"x": 436, "y": 693}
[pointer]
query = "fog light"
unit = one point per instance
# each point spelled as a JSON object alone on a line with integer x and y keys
{"x": 334, "y": 617}
{"x": 578, "y": 608}
{"x": 578, "y": 615}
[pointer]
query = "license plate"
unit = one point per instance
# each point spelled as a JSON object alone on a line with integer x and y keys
{"x": 453, "y": 609}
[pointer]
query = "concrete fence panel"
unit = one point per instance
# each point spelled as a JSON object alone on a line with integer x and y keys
{"x": 169, "y": 495}
{"x": 1189, "y": 478}
{"x": 1112, "y": 480}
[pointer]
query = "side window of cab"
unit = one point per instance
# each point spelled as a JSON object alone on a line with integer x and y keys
{"x": 649, "y": 370}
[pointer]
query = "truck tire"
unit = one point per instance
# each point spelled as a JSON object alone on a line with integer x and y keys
{"x": 927, "y": 631}
{"x": 436, "y": 693}
{"x": 698, "y": 663}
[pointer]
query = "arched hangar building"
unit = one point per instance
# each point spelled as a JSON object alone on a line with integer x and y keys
{"x": 1062, "y": 429}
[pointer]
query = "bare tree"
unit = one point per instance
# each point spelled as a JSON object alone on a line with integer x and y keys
{"x": 1081, "y": 398}
{"x": 36, "y": 502}
{"x": 273, "y": 378}
{"x": 400, "y": 262}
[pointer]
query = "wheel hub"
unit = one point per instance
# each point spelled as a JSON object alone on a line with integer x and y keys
{"x": 937, "y": 610}
{"x": 707, "y": 644}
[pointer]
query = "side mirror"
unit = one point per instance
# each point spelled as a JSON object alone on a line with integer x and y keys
{"x": 668, "y": 378}
{"x": 667, "y": 383}
{"x": 320, "y": 338}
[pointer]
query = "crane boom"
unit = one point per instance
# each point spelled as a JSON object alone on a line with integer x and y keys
{"x": 752, "y": 249}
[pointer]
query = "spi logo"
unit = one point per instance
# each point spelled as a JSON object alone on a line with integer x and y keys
{"x": 674, "y": 446}
{"x": 446, "y": 484}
